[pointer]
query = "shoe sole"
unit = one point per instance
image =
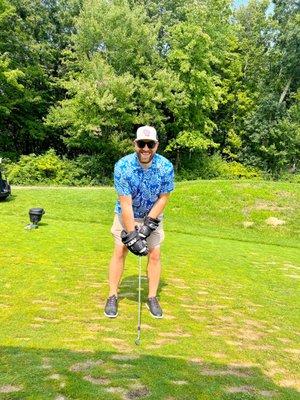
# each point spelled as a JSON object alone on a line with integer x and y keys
{"x": 110, "y": 316}
{"x": 154, "y": 316}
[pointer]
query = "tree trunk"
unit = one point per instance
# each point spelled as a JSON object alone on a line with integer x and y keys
{"x": 285, "y": 90}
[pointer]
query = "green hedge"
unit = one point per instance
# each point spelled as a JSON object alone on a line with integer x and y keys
{"x": 202, "y": 166}
{"x": 50, "y": 169}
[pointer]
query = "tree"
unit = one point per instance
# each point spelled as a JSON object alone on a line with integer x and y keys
{"x": 33, "y": 37}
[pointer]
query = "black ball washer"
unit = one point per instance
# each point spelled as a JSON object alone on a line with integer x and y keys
{"x": 35, "y": 215}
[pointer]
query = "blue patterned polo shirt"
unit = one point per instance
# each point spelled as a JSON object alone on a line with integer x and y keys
{"x": 144, "y": 185}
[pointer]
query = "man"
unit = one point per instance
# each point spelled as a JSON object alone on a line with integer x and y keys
{"x": 143, "y": 181}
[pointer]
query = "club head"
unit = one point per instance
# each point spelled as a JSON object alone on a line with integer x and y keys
{"x": 137, "y": 341}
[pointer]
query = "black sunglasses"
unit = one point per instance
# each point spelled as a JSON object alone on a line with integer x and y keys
{"x": 141, "y": 144}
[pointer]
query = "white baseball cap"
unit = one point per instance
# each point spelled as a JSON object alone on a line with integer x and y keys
{"x": 146, "y": 133}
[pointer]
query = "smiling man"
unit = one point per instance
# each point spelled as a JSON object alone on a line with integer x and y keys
{"x": 143, "y": 181}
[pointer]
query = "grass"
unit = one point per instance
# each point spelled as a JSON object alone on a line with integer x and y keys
{"x": 230, "y": 296}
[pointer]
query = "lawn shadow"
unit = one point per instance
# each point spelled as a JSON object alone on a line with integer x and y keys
{"x": 33, "y": 373}
{"x": 8, "y": 199}
{"x": 129, "y": 288}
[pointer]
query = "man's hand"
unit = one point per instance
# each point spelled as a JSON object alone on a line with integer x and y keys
{"x": 149, "y": 225}
{"x": 135, "y": 243}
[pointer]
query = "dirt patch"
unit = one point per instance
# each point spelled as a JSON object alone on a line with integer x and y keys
{"x": 146, "y": 326}
{"x": 177, "y": 333}
{"x": 225, "y": 319}
{"x": 249, "y": 390}
{"x": 196, "y": 361}
{"x": 248, "y": 224}
{"x": 10, "y": 389}
{"x": 264, "y": 205}
{"x": 263, "y": 347}
{"x": 284, "y": 340}
{"x": 162, "y": 342}
{"x": 292, "y": 351}
{"x": 191, "y": 307}
{"x": 46, "y": 363}
{"x": 199, "y": 319}
{"x": 273, "y": 221}
{"x": 225, "y": 372}
{"x": 168, "y": 317}
{"x": 119, "y": 344}
{"x": 176, "y": 280}
{"x": 219, "y": 355}
{"x": 49, "y": 308}
{"x": 255, "y": 324}
{"x": 97, "y": 381}
{"x": 291, "y": 383}
{"x": 137, "y": 393}
{"x": 83, "y": 366}
{"x": 179, "y": 383}
{"x": 4, "y": 305}
{"x": 54, "y": 377}
{"x": 117, "y": 390}
{"x": 182, "y": 286}
{"x": 202, "y": 292}
{"x": 246, "y": 364}
{"x": 247, "y": 334}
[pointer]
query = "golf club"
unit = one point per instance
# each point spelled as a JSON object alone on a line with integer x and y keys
{"x": 138, "y": 338}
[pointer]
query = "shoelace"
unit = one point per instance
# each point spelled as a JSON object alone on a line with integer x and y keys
{"x": 111, "y": 300}
{"x": 154, "y": 300}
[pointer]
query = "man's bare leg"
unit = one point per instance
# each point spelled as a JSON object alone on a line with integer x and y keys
{"x": 116, "y": 267}
{"x": 153, "y": 270}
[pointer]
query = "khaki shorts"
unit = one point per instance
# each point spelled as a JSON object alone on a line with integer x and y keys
{"x": 154, "y": 240}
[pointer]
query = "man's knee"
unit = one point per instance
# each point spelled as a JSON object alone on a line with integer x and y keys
{"x": 154, "y": 255}
{"x": 120, "y": 251}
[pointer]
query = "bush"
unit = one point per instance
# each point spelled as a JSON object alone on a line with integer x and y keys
{"x": 202, "y": 166}
{"x": 197, "y": 166}
{"x": 290, "y": 177}
{"x": 50, "y": 169}
{"x": 45, "y": 169}
{"x": 236, "y": 170}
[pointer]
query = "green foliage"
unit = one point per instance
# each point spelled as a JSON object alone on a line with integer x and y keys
{"x": 49, "y": 168}
{"x": 236, "y": 170}
{"x": 45, "y": 169}
{"x": 191, "y": 140}
{"x": 33, "y": 36}
{"x": 80, "y": 76}
{"x": 199, "y": 165}
{"x": 270, "y": 128}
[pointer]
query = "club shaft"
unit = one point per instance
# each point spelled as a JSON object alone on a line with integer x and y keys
{"x": 139, "y": 299}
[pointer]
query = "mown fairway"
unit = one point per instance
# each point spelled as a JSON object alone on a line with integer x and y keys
{"x": 230, "y": 294}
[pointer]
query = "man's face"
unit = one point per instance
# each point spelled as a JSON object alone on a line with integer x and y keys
{"x": 145, "y": 150}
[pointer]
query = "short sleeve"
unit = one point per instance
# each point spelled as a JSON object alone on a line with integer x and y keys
{"x": 168, "y": 179}
{"x": 121, "y": 180}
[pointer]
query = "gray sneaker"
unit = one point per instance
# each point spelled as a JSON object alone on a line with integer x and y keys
{"x": 154, "y": 307}
{"x": 111, "y": 307}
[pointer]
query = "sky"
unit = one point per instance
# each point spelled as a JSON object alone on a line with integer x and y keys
{"x": 238, "y": 3}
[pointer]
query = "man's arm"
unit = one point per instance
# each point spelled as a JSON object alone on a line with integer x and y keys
{"x": 127, "y": 213}
{"x": 159, "y": 205}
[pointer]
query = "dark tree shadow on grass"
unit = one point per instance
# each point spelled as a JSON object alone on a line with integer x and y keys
{"x": 27, "y": 373}
{"x": 129, "y": 288}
